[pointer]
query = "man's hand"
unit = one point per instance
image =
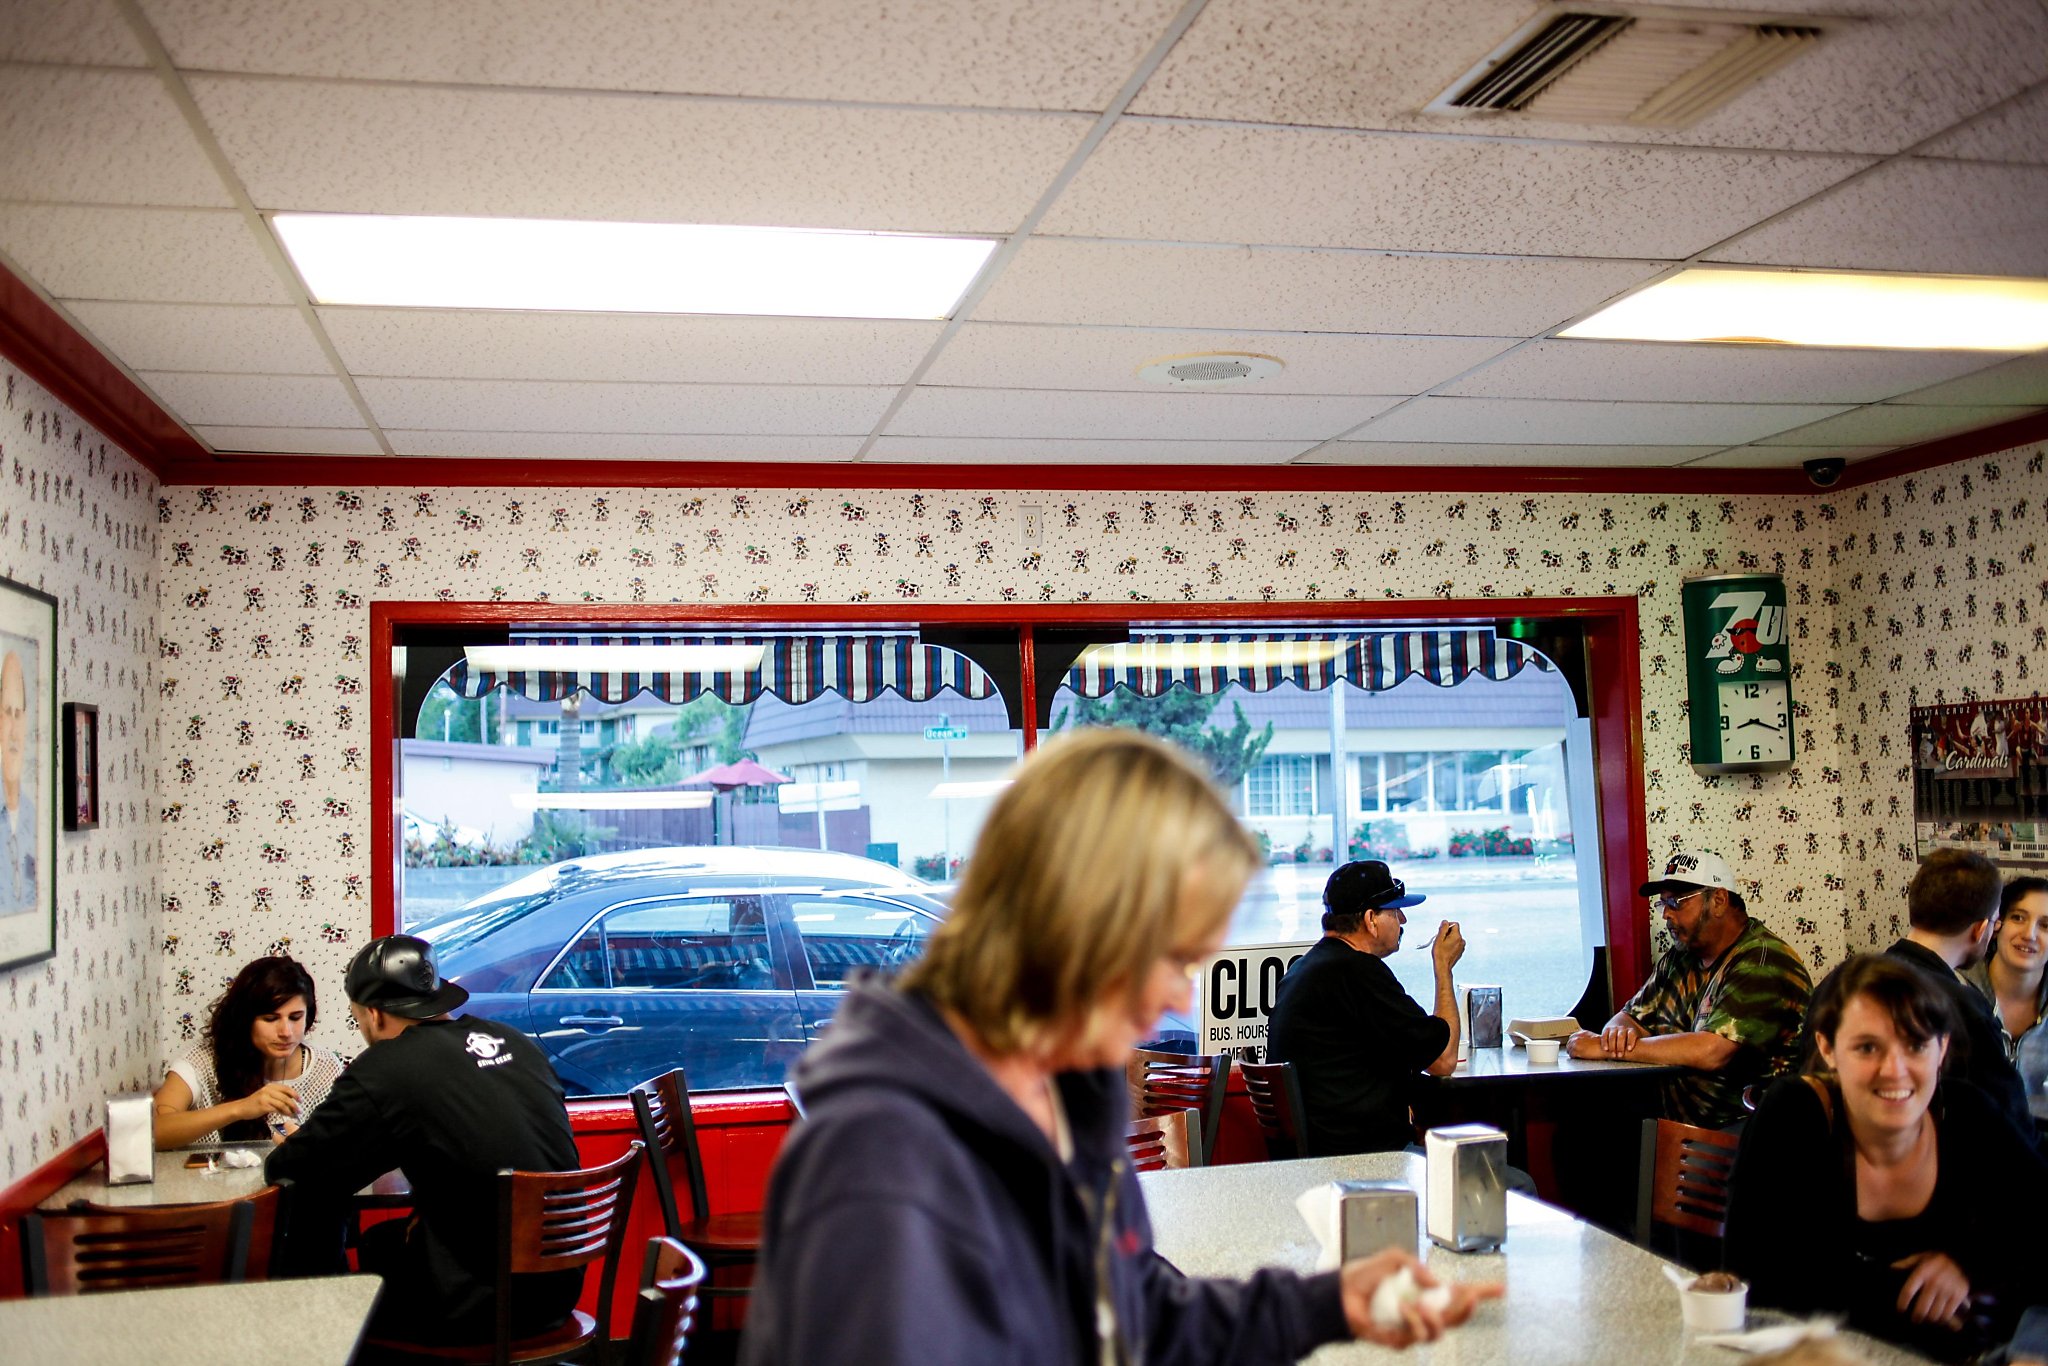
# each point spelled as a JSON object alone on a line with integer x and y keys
{"x": 1936, "y": 1290}
{"x": 1583, "y": 1043}
{"x": 1619, "y": 1037}
{"x": 1448, "y": 947}
{"x": 1419, "y": 1322}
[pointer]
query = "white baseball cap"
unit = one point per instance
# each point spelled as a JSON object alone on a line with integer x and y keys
{"x": 1691, "y": 869}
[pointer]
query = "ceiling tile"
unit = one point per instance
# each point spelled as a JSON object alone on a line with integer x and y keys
{"x": 1532, "y": 421}
{"x": 99, "y": 137}
{"x": 87, "y": 31}
{"x": 1781, "y": 457}
{"x": 1375, "y": 63}
{"x": 381, "y": 149}
{"x": 1709, "y": 374}
{"x": 1894, "y": 424}
{"x": 999, "y": 355}
{"x": 1271, "y": 289}
{"x": 2022, "y": 381}
{"x": 254, "y": 400}
{"x": 292, "y": 440}
{"x": 1185, "y": 414}
{"x": 947, "y": 450}
{"x": 612, "y": 346}
{"x": 1312, "y": 187}
{"x": 623, "y": 446}
{"x": 179, "y": 255}
{"x": 1468, "y": 454}
{"x": 1033, "y": 54}
{"x": 698, "y": 409}
{"x": 1957, "y": 217}
{"x": 2015, "y": 131}
{"x": 248, "y": 340}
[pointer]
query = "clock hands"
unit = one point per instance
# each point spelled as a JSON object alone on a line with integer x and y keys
{"x": 1753, "y": 721}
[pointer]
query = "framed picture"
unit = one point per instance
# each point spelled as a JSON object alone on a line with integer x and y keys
{"x": 81, "y": 766}
{"x": 28, "y": 775}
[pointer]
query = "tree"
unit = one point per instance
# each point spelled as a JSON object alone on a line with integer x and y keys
{"x": 1180, "y": 715}
{"x": 656, "y": 759}
{"x": 445, "y": 716}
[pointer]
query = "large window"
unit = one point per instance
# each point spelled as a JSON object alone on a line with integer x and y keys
{"x": 644, "y": 865}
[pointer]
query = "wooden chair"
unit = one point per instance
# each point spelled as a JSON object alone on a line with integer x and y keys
{"x": 662, "y": 1106}
{"x": 1162, "y": 1083}
{"x": 1164, "y": 1141}
{"x": 1682, "y": 1182}
{"x": 666, "y": 1309}
{"x": 1275, "y": 1089}
{"x": 549, "y": 1221}
{"x": 149, "y": 1247}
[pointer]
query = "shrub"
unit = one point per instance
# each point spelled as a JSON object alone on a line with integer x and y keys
{"x": 1494, "y": 843}
{"x": 930, "y": 867}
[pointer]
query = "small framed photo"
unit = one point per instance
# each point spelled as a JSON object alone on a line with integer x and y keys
{"x": 81, "y": 766}
{"x": 29, "y": 746}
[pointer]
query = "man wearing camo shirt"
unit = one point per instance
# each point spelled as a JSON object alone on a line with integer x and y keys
{"x": 1727, "y": 1001}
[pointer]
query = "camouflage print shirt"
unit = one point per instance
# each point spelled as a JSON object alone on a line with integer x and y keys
{"x": 1753, "y": 995}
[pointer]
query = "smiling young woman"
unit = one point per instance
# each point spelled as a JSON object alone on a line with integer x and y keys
{"x": 2015, "y": 977}
{"x": 1869, "y": 1186}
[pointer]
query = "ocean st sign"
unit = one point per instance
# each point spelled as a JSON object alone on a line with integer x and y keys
{"x": 1239, "y": 986}
{"x": 938, "y": 733}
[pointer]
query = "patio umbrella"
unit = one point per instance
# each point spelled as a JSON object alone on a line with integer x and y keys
{"x": 728, "y": 777}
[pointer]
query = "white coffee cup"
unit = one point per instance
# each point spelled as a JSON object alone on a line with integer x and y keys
{"x": 1543, "y": 1052}
{"x": 1714, "y": 1311}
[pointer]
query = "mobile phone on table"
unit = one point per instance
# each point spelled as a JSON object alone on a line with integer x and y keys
{"x": 197, "y": 1160}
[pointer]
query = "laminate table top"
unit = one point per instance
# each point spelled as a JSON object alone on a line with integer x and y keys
{"x": 314, "y": 1322}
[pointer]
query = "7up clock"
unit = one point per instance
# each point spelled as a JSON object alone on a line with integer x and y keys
{"x": 1738, "y": 672}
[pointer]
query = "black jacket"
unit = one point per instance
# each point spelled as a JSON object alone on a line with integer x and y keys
{"x": 449, "y": 1103}
{"x": 919, "y": 1216}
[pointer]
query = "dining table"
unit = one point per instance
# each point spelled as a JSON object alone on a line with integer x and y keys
{"x": 176, "y": 1182}
{"x": 312, "y": 1322}
{"x": 1576, "y": 1294}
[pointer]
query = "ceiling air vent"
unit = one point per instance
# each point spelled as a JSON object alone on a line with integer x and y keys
{"x": 1653, "y": 67}
{"x": 1209, "y": 369}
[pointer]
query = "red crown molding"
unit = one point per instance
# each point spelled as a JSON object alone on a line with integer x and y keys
{"x": 440, "y": 472}
{"x": 1946, "y": 450}
{"x": 52, "y": 352}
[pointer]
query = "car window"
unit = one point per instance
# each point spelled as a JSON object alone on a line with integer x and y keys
{"x": 842, "y": 934}
{"x": 688, "y": 943}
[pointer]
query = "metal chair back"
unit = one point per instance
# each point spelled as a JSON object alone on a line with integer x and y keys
{"x": 1162, "y": 1083}
{"x": 1164, "y": 1141}
{"x": 1275, "y": 1090}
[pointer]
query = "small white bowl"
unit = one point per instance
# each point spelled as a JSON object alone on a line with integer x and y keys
{"x": 1714, "y": 1311}
{"x": 1543, "y": 1052}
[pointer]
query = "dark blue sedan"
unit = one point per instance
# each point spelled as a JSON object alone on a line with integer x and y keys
{"x": 727, "y": 961}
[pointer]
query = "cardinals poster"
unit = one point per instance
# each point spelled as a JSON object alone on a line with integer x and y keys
{"x": 1980, "y": 779}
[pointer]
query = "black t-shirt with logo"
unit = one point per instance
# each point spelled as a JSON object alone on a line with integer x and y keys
{"x": 449, "y": 1103}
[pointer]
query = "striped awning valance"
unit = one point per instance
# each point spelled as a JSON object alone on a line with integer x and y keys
{"x": 793, "y": 668}
{"x": 1210, "y": 663}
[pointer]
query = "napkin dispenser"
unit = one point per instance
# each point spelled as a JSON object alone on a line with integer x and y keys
{"x": 1482, "y": 1014}
{"x": 1373, "y": 1216}
{"x": 1468, "y": 1194}
{"x": 131, "y": 1140}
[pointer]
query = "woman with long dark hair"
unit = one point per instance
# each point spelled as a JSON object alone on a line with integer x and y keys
{"x": 254, "y": 1075}
{"x": 2015, "y": 977}
{"x": 1878, "y": 1188}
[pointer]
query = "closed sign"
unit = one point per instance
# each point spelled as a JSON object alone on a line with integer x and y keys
{"x": 1239, "y": 986}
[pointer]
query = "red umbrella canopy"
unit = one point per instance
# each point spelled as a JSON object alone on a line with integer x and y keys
{"x": 742, "y": 773}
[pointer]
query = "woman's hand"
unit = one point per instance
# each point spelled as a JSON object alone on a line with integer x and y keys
{"x": 1936, "y": 1290}
{"x": 1419, "y": 1322}
{"x": 271, "y": 1098}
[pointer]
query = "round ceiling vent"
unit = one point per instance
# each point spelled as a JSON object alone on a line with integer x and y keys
{"x": 1210, "y": 369}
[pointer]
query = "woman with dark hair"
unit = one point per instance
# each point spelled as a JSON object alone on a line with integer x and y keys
{"x": 2013, "y": 977}
{"x": 254, "y": 1076}
{"x": 1872, "y": 1187}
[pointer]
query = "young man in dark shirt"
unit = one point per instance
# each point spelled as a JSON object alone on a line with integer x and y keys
{"x": 1356, "y": 1039}
{"x": 449, "y": 1102}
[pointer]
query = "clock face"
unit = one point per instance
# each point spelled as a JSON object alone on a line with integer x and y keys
{"x": 1756, "y": 723}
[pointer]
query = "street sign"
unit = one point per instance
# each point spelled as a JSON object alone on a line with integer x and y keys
{"x": 1238, "y": 986}
{"x": 945, "y": 732}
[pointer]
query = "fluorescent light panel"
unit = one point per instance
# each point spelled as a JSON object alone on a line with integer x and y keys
{"x": 614, "y": 659}
{"x": 1214, "y": 654}
{"x": 594, "y": 267}
{"x": 611, "y": 801}
{"x": 1830, "y": 308}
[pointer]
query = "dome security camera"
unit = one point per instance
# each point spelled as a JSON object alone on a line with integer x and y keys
{"x": 1824, "y": 473}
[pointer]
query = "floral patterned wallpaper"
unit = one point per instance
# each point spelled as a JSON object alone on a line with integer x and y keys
{"x": 78, "y": 521}
{"x": 233, "y": 622}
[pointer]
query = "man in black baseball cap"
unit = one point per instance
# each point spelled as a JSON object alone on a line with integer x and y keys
{"x": 449, "y": 1102}
{"x": 1356, "y": 1039}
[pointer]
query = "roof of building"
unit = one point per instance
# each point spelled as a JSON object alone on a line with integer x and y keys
{"x": 469, "y": 749}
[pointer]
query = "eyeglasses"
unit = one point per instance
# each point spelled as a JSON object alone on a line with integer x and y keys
{"x": 1671, "y": 903}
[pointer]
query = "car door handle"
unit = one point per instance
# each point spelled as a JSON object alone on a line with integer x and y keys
{"x": 593, "y": 1021}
